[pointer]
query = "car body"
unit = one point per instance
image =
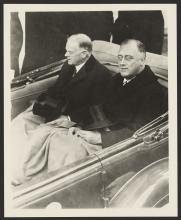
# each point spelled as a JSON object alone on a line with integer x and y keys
{"x": 131, "y": 173}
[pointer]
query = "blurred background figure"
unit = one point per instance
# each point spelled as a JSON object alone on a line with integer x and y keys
{"x": 44, "y": 34}
{"x": 16, "y": 40}
{"x": 145, "y": 26}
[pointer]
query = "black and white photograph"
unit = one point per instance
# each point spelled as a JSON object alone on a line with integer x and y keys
{"x": 88, "y": 93}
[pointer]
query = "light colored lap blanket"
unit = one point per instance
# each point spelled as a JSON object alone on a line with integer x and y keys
{"x": 40, "y": 147}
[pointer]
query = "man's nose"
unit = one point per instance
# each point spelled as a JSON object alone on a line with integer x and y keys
{"x": 66, "y": 54}
{"x": 122, "y": 61}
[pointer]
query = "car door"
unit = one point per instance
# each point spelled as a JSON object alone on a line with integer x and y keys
{"x": 27, "y": 87}
{"x": 86, "y": 184}
{"x": 151, "y": 146}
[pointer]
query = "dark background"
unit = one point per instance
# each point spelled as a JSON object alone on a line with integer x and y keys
{"x": 47, "y": 32}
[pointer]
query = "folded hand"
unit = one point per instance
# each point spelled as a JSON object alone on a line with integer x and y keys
{"x": 92, "y": 137}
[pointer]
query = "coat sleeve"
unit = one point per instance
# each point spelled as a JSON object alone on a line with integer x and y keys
{"x": 152, "y": 106}
{"x": 111, "y": 137}
{"x": 49, "y": 104}
{"x": 55, "y": 89}
{"x": 103, "y": 86}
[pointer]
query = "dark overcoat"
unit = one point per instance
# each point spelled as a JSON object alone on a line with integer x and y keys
{"x": 74, "y": 95}
{"x": 135, "y": 104}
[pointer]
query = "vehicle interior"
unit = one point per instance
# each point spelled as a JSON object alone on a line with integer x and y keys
{"x": 28, "y": 86}
{"x": 89, "y": 173}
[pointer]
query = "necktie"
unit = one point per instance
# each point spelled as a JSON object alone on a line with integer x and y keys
{"x": 74, "y": 72}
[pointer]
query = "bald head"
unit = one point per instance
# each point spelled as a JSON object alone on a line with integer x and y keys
{"x": 131, "y": 58}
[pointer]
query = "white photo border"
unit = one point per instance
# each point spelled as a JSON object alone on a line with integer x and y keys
{"x": 171, "y": 209}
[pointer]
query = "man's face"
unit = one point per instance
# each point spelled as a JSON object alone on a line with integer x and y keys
{"x": 130, "y": 60}
{"x": 75, "y": 55}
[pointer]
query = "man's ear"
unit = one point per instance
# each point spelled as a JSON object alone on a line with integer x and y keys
{"x": 142, "y": 61}
{"x": 84, "y": 54}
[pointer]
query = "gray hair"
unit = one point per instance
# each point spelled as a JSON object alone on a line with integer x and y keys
{"x": 83, "y": 40}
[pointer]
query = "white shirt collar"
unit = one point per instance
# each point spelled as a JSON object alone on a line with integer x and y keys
{"x": 125, "y": 81}
{"x": 79, "y": 66}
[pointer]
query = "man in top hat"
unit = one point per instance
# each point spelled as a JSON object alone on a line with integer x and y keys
{"x": 138, "y": 97}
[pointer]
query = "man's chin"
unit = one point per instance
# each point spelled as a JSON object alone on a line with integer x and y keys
{"x": 69, "y": 62}
{"x": 124, "y": 74}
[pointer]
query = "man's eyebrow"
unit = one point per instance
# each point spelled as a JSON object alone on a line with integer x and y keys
{"x": 129, "y": 56}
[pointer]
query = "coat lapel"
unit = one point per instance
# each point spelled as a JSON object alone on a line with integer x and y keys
{"x": 79, "y": 76}
{"x": 138, "y": 83}
{"x": 84, "y": 71}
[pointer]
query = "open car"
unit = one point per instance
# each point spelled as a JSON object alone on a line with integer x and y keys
{"x": 130, "y": 173}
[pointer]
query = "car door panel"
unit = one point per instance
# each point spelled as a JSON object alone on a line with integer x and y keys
{"x": 22, "y": 97}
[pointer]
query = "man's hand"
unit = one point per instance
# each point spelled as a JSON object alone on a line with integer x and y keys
{"x": 58, "y": 121}
{"x": 92, "y": 137}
